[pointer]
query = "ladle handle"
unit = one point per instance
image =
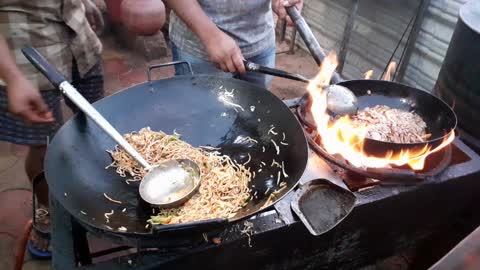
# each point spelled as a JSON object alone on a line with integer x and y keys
{"x": 309, "y": 38}
{"x": 254, "y": 67}
{"x": 59, "y": 81}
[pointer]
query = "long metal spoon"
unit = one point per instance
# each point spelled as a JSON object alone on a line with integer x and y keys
{"x": 340, "y": 100}
{"x": 166, "y": 185}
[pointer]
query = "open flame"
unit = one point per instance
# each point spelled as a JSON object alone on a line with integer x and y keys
{"x": 368, "y": 75}
{"x": 390, "y": 69}
{"x": 341, "y": 137}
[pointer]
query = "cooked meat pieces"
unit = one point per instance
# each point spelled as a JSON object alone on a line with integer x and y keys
{"x": 392, "y": 125}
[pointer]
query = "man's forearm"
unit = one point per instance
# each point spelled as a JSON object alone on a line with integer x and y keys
{"x": 195, "y": 18}
{"x": 8, "y": 68}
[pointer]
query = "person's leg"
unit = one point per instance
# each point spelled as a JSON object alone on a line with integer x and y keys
{"x": 199, "y": 66}
{"x": 36, "y": 136}
{"x": 33, "y": 167}
{"x": 16, "y": 131}
{"x": 266, "y": 58}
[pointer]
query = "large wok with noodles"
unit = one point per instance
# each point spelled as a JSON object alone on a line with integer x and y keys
{"x": 192, "y": 106}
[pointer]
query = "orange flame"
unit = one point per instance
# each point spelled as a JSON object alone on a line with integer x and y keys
{"x": 391, "y": 68}
{"x": 368, "y": 75}
{"x": 341, "y": 137}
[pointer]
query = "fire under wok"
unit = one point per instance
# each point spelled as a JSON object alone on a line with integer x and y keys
{"x": 438, "y": 116}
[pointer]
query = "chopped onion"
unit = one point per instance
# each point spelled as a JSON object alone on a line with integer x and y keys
{"x": 271, "y": 131}
{"x": 110, "y": 199}
{"x": 276, "y": 147}
{"x": 231, "y": 103}
{"x": 249, "y": 158}
{"x": 283, "y": 170}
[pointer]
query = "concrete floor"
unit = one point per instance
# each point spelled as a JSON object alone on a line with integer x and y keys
{"x": 122, "y": 68}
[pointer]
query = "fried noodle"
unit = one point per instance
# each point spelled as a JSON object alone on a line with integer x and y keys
{"x": 224, "y": 183}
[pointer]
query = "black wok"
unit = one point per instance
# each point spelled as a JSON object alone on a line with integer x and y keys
{"x": 438, "y": 116}
{"x": 76, "y": 157}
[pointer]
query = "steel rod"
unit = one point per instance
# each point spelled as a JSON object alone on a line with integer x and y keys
{"x": 414, "y": 35}
{"x": 309, "y": 39}
{"x": 347, "y": 32}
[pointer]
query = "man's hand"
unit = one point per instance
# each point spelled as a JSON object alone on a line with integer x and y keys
{"x": 94, "y": 16}
{"x": 279, "y": 7}
{"x": 225, "y": 53}
{"x": 25, "y": 101}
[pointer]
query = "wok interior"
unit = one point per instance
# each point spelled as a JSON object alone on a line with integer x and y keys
{"x": 436, "y": 114}
{"x": 76, "y": 158}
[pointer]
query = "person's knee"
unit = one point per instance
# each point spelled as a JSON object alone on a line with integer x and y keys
{"x": 34, "y": 161}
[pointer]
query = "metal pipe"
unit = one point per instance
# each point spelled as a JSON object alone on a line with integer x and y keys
{"x": 309, "y": 39}
{"x": 411, "y": 45}
{"x": 347, "y": 32}
{"x": 293, "y": 41}
{"x": 283, "y": 29}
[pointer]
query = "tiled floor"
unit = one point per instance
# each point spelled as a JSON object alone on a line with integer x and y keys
{"x": 122, "y": 68}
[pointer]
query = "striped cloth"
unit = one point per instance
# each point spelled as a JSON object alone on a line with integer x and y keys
{"x": 14, "y": 130}
{"x": 57, "y": 28}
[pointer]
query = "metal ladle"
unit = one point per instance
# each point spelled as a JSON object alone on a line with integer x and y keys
{"x": 166, "y": 185}
{"x": 340, "y": 100}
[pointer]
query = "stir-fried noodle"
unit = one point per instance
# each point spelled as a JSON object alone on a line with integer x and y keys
{"x": 224, "y": 183}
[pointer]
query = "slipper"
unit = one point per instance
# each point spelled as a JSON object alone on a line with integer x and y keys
{"x": 37, "y": 253}
{"x": 40, "y": 232}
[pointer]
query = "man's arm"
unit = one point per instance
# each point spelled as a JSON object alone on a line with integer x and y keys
{"x": 221, "y": 48}
{"x": 8, "y": 67}
{"x": 24, "y": 100}
{"x": 279, "y": 7}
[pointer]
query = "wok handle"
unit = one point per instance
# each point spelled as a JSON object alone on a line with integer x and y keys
{"x": 254, "y": 67}
{"x": 152, "y": 67}
{"x": 197, "y": 226}
{"x": 37, "y": 60}
{"x": 68, "y": 90}
{"x": 309, "y": 39}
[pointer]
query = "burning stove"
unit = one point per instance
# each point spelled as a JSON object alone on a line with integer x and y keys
{"x": 359, "y": 178}
{"x": 389, "y": 216}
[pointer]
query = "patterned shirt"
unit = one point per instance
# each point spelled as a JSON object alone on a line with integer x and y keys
{"x": 248, "y": 22}
{"x": 58, "y": 29}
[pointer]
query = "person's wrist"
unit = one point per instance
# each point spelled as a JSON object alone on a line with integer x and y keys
{"x": 13, "y": 77}
{"x": 211, "y": 35}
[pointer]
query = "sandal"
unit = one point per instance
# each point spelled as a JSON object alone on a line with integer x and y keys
{"x": 39, "y": 243}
